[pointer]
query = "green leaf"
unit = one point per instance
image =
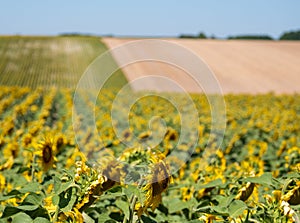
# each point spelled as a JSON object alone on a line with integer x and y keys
{"x": 4, "y": 198}
{"x": 32, "y": 198}
{"x": 39, "y": 212}
{"x": 21, "y": 218}
{"x": 191, "y": 203}
{"x": 30, "y": 187}
{"x": 124, "y": 206}
{"x": 55, "y": 200}
{"x": 130, "y": 190}
{"x": 220, "y": 210}
{"x": 9, "y": 211}
{"x": 214, "y": 183}
{"x": 224, "y": 201}
{"x": 23, "y": 169}
{"x": 57, "y": 184}
{"x": 237, "y": 208}
{"x": 41, "y": 220}
{"x": 19, "y": 180}
{"x": 67, "y": 199}
{"x": 28, "y": 207}
{"x": 133, "y": 190}
{"x": 147, "y": 219}
{"x": 110, "y": 196}
{"x": 87, "y": 219}
{"x": 265, "y": 179}
{"x": 103, "y": 217}
{"x": 176, "y": 204}
{"x": 63, "y": 187}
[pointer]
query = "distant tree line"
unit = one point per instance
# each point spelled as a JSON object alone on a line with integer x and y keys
{"x": 255, "y": 37}
{"x": 293, "y": 35}
{"x": 82, "y": 34}
{"x": 75, "y": 34}
{"x": 189, "y": 36}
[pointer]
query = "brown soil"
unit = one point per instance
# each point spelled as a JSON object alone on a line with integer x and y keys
{"x": 240, "y": 66}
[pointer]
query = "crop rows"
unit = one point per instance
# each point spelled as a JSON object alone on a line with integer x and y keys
{"x": 49, "y": 61}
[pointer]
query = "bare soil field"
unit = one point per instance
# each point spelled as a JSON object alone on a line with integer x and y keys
{"x": 240, "y": 66}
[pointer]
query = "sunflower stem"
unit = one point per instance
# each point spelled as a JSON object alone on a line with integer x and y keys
{"x": 133, "y": 200}
{"x": 132, "y": 205}
{"x": 55, "y": 217}
{"x": 33, "y": 168}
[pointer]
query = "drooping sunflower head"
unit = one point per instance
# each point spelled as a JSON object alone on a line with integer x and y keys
{"x": 46, "y": 153}
{"x": 245, "y": 192}
{"x": 60, "y": 140}
{"x": 113, "y": 174}
{"x": 292, "y": 192}
{"x": 157, "y": 182}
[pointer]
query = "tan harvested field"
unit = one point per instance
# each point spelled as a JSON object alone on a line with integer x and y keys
{"x": 240, "y": 66}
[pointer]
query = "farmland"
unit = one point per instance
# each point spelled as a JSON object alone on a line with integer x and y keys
{"x": 240, "y": 66}
{"x": 59, "y": 164}
{"x": 49, "y": 61}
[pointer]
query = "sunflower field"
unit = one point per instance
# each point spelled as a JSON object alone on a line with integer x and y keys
{"x": 46, "y": 177}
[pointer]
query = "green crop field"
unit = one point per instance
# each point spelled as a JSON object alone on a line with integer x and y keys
{"x": 49, "y": 61}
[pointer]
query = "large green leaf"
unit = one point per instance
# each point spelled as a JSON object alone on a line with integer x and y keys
{"x": 34, "y": 199}
{"x": 9, "y": 211}
{"x": 236, "y": 208}
{"x": 67, "y": 199}
{"x": 223, "y": 201}
{"x": 175, "y": 205}
{"x": 30, "y": 187}
{"x": 21, "y": 218}
{"x": 220, "y": 210}
{"x": 265, "y": 179}
{"x": 28, "y": 207}
{"x": 41, "y": 220}
{"x": 214, "y": 183}
{"x": 124, "y": 206}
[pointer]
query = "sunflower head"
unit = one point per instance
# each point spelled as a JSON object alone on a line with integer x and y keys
{"x": 245, "y": 192}
{"x": 60, "y": 140}
{"x": 113, "y": 174}
{"x": 159, "y": 182}
{"x": 46, "y": 153}
{"x": 27, "y": 139}
{"x": 292, "y": 195}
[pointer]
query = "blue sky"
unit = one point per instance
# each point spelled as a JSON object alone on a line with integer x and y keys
{"x": 149, "y": 18}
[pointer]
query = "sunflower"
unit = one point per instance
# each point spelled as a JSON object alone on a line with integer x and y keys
{"x": 26, "y": 140}
{"x": 171, "y": 135}
{"x": 187, "y": 193}
{"x": 245, "y": 192}
{"x": 46, "y": 153}
{"x": 11, "y": 150}
{"x": 208, "y": 218}
{"x": 159, "y": 182}
{"x": 59, "y": 141}
{"x": 113, "y": 174}
{"x": 127, "y": 135}
{"x": 156, "y": 175}
{"x": 293, "y": 195}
